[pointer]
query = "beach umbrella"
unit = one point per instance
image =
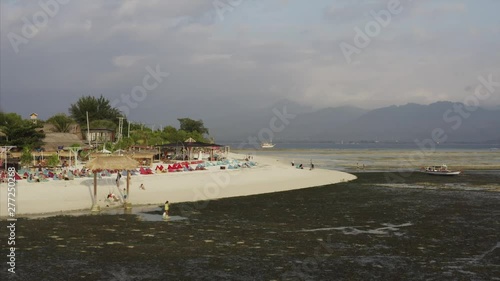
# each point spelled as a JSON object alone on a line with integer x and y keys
{"x": 110, "y": 162}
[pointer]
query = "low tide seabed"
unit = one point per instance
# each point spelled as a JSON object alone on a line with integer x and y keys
{"x": 386, "y": 159}
{"x": 420, "y": 228}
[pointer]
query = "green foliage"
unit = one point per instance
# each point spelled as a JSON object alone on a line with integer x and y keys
{"x": 108, "y": 145}
{"x": 102, "y": 124}
{"x": 124, "y": 143}
{"x": 61, "y": 122}
{"x": 9, "y": 118}
{"x": 189, "y": 125}
{"x": 98, "y": 109}
{"x": 53, "y": 160}
{"x": 20, "y": 132}
{"x": 26, "y": 156}
{"x": 84, "y": 154}
{"x": 169, "y": 130}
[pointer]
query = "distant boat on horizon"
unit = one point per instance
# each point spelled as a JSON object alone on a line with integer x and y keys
{"x": 267, "y": 144}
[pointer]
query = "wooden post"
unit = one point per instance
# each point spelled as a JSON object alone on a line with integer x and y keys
{"x": 95, "y": 187}
{"x": 127, "y": 204}
{"x": 128, "y": 184}
{"x": 95, "y": 206}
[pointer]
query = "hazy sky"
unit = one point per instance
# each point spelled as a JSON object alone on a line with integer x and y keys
{"x": 225, "y": 55}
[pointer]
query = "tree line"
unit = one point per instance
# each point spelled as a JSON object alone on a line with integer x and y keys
{"x": 14, "y": 130}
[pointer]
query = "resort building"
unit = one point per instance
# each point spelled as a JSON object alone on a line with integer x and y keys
{"x": 100, "y": 135}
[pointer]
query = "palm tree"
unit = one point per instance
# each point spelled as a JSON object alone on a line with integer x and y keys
{"x": 97, "y": 108}
{"x": 61, "y": 122}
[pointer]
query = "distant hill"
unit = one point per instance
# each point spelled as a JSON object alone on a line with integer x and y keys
{"x": 415, "y": 121}
{"x": 394, "y": 123}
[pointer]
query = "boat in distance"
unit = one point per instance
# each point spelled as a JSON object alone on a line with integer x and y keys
{"x": 440, "y": 171}
{"x": 267, "y": 144}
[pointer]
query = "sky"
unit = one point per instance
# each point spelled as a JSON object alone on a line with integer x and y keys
{"x": 161, "y": 59}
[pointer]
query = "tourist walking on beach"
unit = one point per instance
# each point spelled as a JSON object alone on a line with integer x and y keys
{"x": 118, "y": 177}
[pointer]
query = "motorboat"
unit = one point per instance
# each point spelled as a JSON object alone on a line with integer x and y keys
{"x": 441, "y": 170}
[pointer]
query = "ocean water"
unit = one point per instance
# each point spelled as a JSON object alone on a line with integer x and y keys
{"x": 384, "y": 157}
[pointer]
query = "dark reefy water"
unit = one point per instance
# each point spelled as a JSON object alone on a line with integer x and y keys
{"x": 419, "y": 228}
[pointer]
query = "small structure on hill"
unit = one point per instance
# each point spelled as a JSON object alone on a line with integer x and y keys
{"x": 34, "y": 117}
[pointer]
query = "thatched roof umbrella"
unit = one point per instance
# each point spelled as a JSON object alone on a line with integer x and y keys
{"x": 113, "y": 163}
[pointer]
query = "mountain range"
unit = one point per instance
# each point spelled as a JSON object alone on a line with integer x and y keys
{"x": 445, "y": 121}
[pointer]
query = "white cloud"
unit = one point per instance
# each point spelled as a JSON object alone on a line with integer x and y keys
{"x": 208, "y": 58}
{"x": 126, "y": 61}
{"x": 104, "y": 47}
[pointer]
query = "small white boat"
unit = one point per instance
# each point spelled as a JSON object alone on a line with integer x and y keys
{"x": 267, "y": 144}
{"x": 440, "y": 171}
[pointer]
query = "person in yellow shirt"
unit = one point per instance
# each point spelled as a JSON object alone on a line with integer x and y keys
{"x": 165, "y": 210}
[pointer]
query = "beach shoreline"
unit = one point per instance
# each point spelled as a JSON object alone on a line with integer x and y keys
{"x": 270, "y": 175}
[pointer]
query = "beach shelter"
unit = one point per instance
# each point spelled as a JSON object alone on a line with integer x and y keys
{"x": 110, "y": 162}
{"x": 190, "y": 140}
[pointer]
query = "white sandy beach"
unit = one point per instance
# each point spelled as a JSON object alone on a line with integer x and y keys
{"x": 270, "y": 175}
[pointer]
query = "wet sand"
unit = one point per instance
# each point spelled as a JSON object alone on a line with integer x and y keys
{"x": 269, "y": 175}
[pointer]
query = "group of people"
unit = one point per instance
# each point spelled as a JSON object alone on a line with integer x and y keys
{"x": 300, "y": 166}
{"x": 112, "y": 196}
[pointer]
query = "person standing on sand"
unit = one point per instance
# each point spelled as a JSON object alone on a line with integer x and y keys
{"x": 165, "y": 209}
{"x": 118, "y": 176}
{"x": 142, "y": 186}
